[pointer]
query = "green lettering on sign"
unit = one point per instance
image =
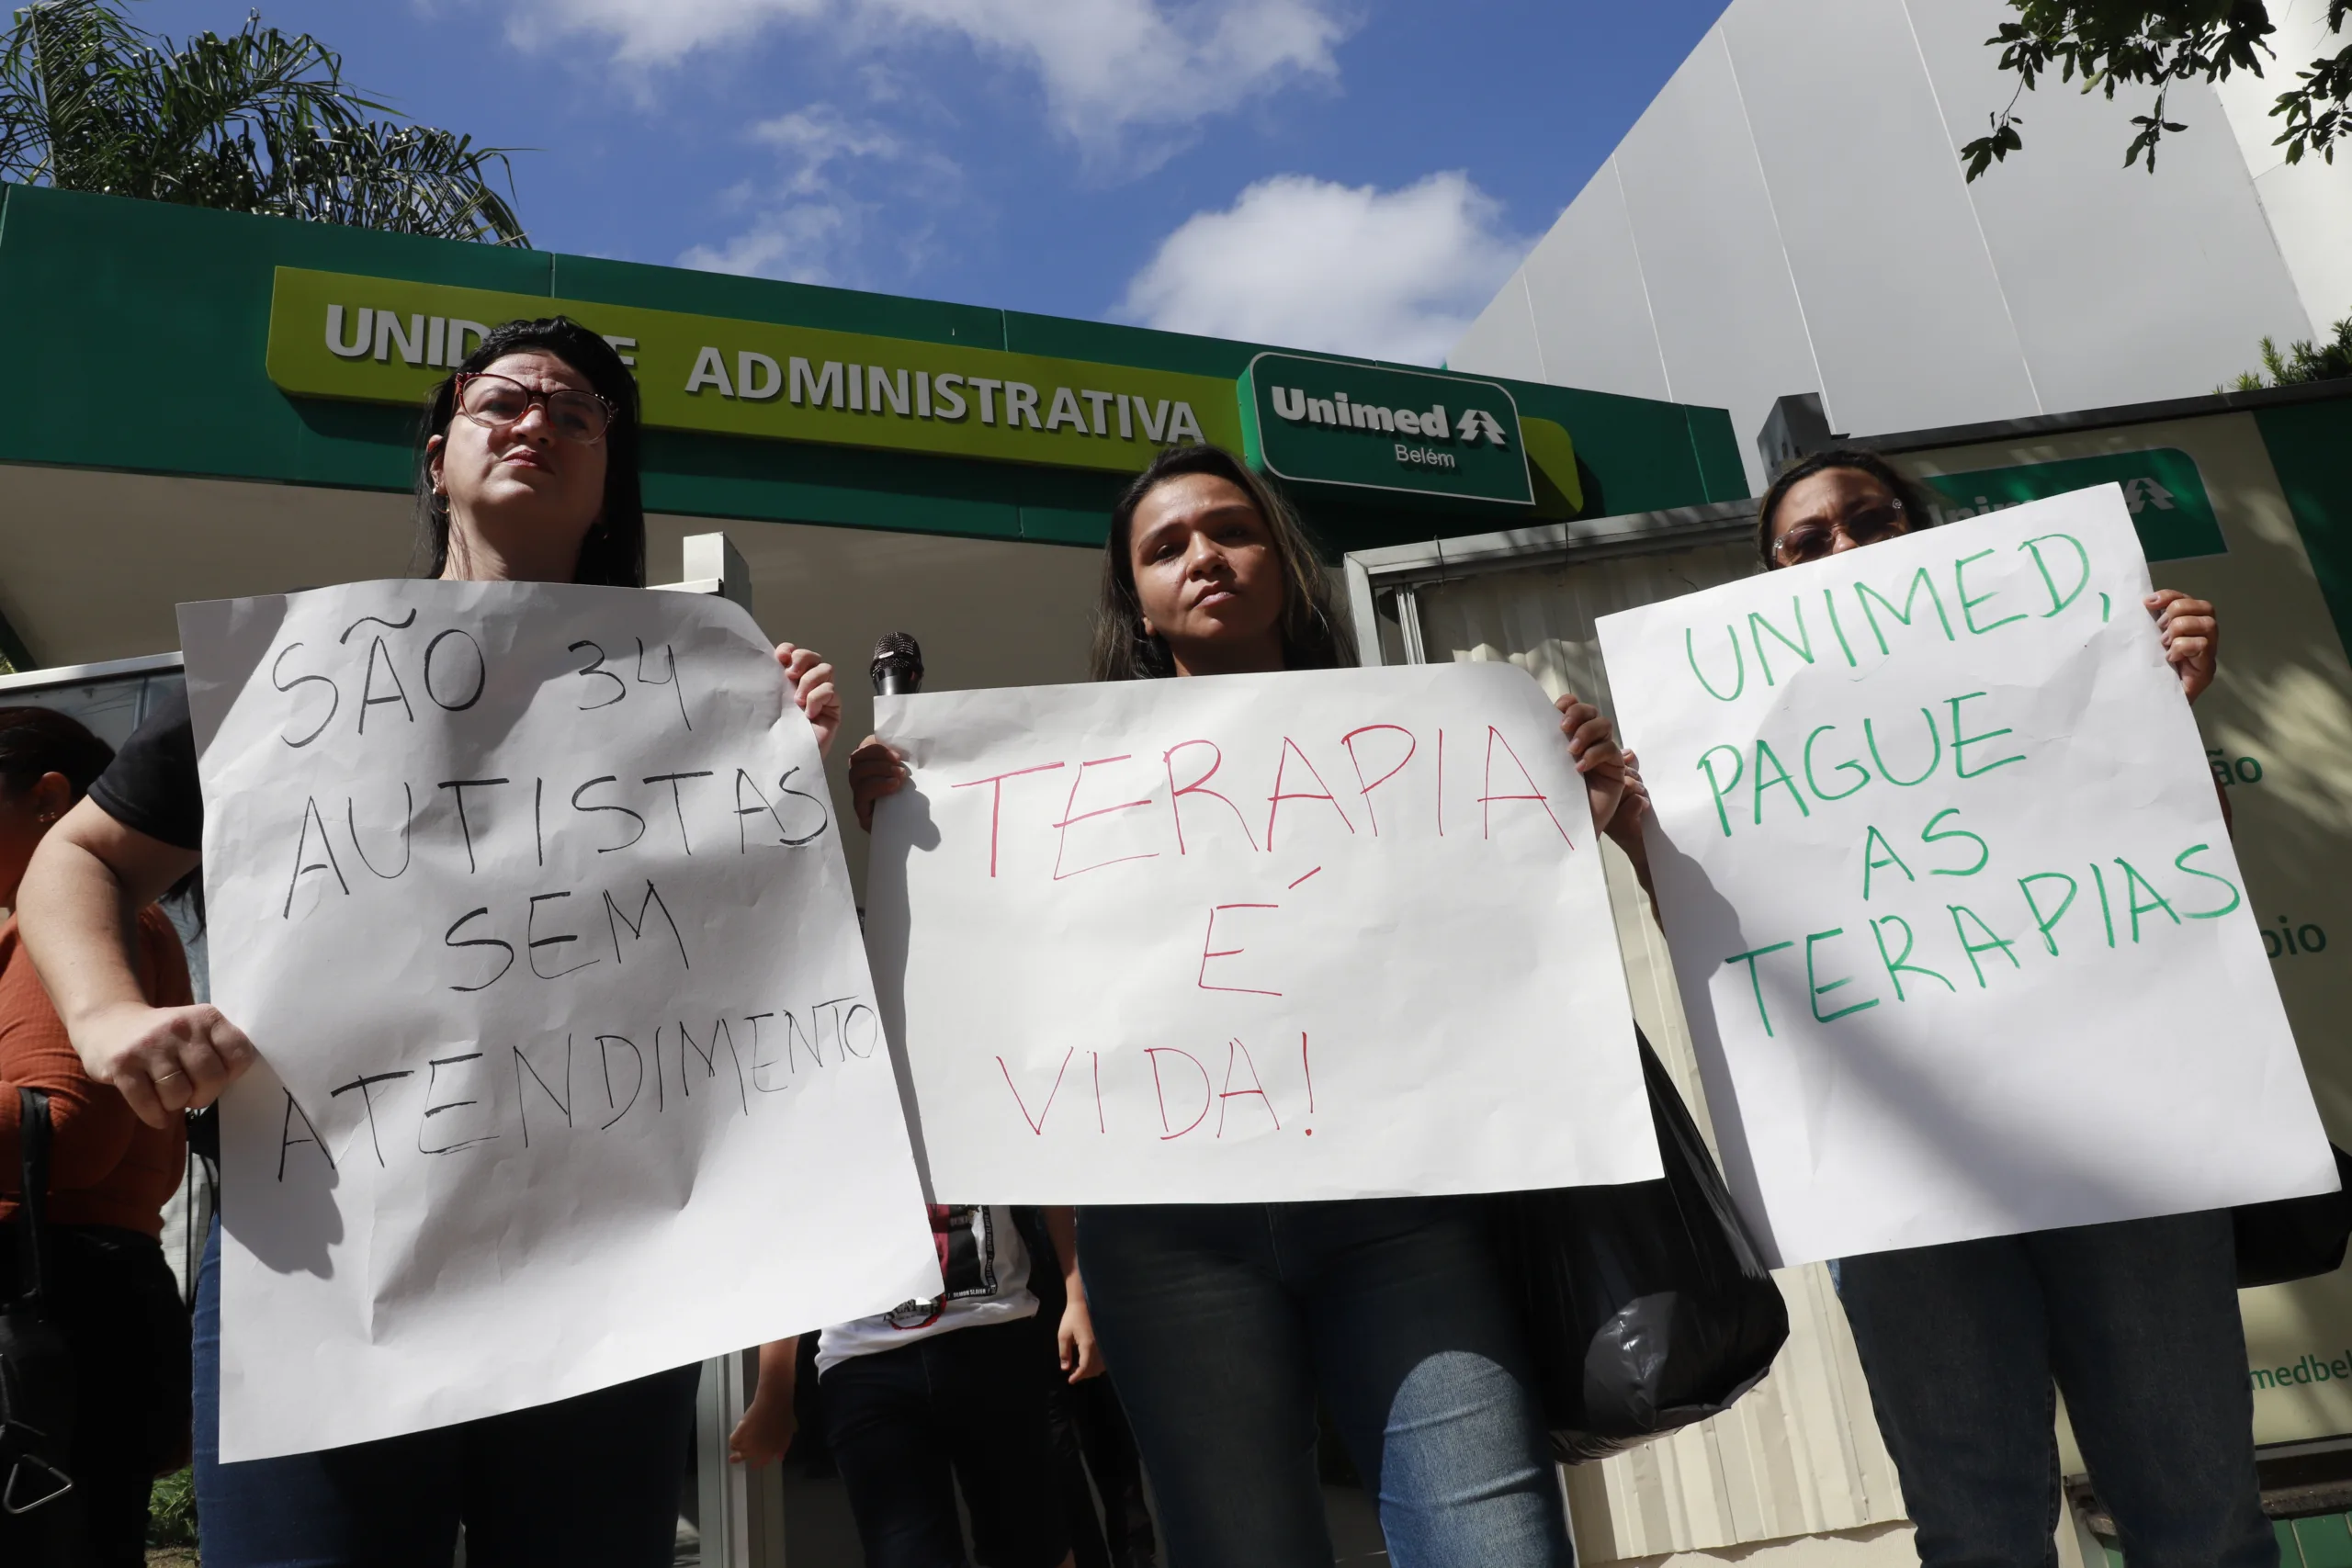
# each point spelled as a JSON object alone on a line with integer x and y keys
{"x": 383, "y": 340}
{"x": 2166, "y": 494}
{"x": 1415, "y": 432}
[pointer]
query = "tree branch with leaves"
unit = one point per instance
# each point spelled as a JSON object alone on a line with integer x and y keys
{"x": 256, "y": 121}
{"x": 2109, "y": 44}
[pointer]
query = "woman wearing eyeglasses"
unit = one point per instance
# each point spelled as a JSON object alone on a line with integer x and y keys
{"x": 2136, "y": 1323}
{"x": 526, "y": 471}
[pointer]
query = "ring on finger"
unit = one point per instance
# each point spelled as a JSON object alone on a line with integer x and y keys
{"x": 166, "y": 1078}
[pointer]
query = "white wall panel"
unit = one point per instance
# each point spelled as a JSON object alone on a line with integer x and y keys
{"x": 1729, "y": 322}
{"x": 2299, "y": 36}
{"x": 2124, "y": 286}
{"x": 1905, "y": 309}
{"x": 2310, "y": 207}
{"x": 1502, "y": 341}
{"x": 1793, "y": 205}
{"x": 2309, "y": 203}
{"x": 1591, "y": 307}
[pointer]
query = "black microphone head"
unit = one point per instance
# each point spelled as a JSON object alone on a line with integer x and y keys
{"x": 897, "y": 665}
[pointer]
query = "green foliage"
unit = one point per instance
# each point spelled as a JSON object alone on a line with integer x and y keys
{"x": 256, "y": 121}
{"x": 2304, "y": 361}
{"x": 171, "y": 1510}
{"x": 2110, "y": 43}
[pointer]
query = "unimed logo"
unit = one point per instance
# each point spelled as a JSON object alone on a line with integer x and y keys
{"x": 1430, "y": 432}
{"x": 2307, "y": 1369}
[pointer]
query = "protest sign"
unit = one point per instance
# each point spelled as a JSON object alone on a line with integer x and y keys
{"x": 532, "y": 900}
{"x": 1329, "y": 934}
{"x": 1954, "y": 914}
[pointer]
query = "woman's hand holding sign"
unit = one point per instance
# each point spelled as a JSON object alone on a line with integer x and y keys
{"x": 874, "y": 771}
{"x": 1633, "y": 811}
{"x": 2192, "y": 637}
{"x": 1592, "y": 744}
{"x": 812, "y": 688}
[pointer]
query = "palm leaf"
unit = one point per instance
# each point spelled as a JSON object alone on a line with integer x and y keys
{"x": 255, "y": 121}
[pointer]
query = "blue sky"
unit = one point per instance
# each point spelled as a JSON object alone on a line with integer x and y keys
{"x": 1349, "y": 175}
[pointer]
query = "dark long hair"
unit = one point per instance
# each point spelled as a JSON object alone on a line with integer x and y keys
{"x": 613, "y": 552}
{"x": 35, "y": 740}
{"x": 1899, "y": 485}
{"x": 1310, "y": 622}
{"x": 38, "y": 740}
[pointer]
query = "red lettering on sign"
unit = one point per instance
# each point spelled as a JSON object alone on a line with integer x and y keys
{"x": 1236, "y": 1053}
{"x": 1198, "y": 787}
{"x": 1155, "y": 1053}
{"x": 1068, "y": 821}
{"x": 996, "y": 802}
{"x": 1290, "y": 750}
{"x": 1037, "y": 1122}
{"x": 1486, "y": 800}
{"x": 1207, "y": 953}
{"x": 1349, "y": 740}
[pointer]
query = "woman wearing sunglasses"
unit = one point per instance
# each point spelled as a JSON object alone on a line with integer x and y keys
{"x": 526, "y": 472}
{"x": 2136, "y": 1323}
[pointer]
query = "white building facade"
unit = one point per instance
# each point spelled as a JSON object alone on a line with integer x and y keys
{"x": 1790, "y": 215}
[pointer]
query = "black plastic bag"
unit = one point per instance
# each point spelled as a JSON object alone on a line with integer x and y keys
{"x": 2295, "y": 1238}
{"x": 1646, "y": 1305}
{"x": 36, "y": 1392}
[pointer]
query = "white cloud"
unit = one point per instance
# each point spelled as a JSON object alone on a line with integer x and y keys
{"x": 1107, "y": 67}
{"x": 802, "y": 243}
{"x": 813, "y": 140}
{"x": 1347, "y": 269}
{"x": 806, "y": 224}
{"x": 662, "y": 32}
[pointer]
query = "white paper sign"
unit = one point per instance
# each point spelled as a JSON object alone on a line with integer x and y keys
{"x": 1252, "y": 938}
{"x": 1957, "y": 925}
{"x": 532, "y": 899}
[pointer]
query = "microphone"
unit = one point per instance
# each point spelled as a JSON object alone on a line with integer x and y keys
{"x": 897, "y": 669}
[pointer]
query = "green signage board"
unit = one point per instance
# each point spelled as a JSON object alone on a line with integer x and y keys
{"x": 1329, "y": 421}
{"x": 2166, "y": 494}
{"x": 384, "y": 340}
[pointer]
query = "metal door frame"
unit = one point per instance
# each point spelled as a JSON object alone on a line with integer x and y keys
{"x": 1383, "y": 584}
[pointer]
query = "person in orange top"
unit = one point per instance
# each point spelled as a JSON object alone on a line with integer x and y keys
{"x": 109, "y": 1174}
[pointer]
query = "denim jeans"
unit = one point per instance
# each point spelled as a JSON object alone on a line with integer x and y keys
{"x": 593, "y": 1482}
{"x": 2137, "y": 1323}
{"x": 1222, "y": 1323}
{"x": 906, "y": 1425}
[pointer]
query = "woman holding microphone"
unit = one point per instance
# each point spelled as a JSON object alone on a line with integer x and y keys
{"x": 1222, "y": 1324}
{"x": 526, "y": 471}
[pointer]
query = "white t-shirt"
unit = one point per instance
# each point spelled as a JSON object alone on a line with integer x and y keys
{"x": 987, "y": 1273}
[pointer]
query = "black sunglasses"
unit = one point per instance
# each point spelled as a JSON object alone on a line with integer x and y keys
{"x": 1812, "y": 541}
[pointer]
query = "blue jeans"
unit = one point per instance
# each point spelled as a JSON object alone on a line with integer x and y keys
{"x": 587, "y": 1482}
{"x": 1221, "y": 1323}
{"x": 2137, "y": 1322}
